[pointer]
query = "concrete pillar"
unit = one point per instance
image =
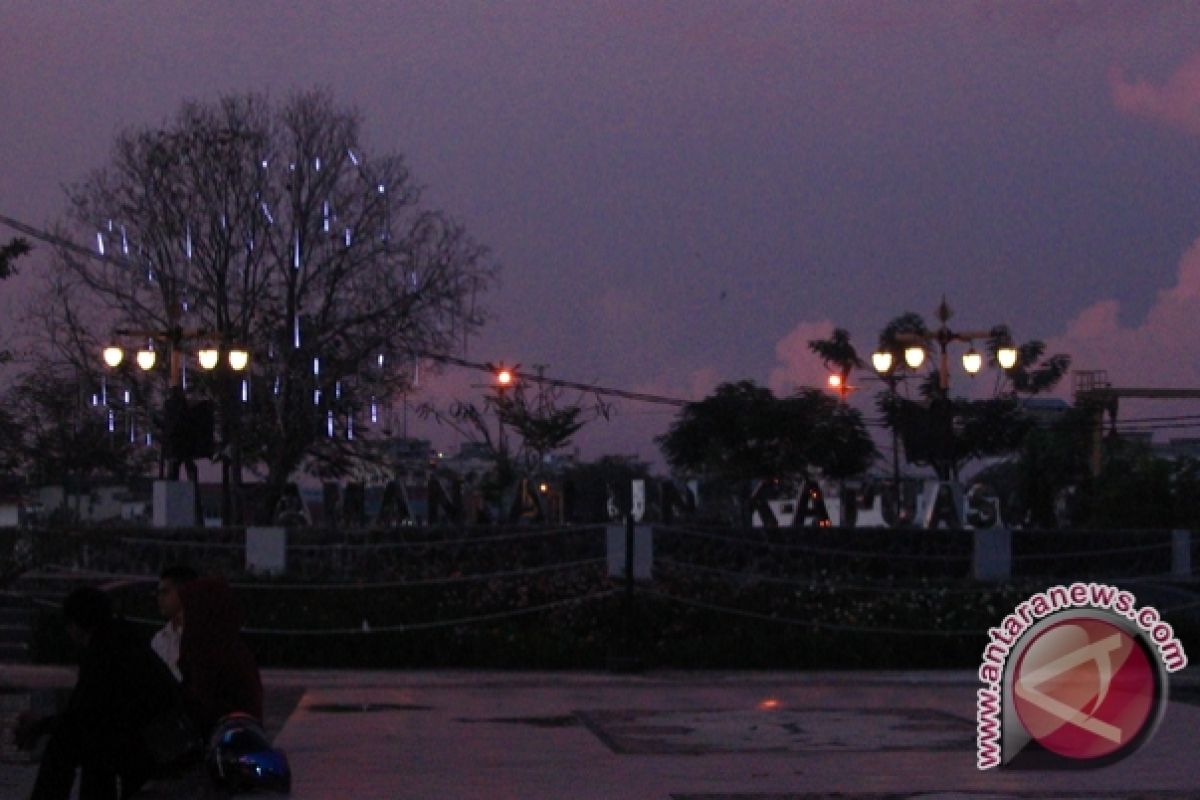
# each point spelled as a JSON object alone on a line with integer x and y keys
{"x": 174, "y": 504}
{"x": 643, "y": 551}
{"x": 1181, "y": 554}
{"x": 992, "y": 559}
{"x": 266, "y": 550}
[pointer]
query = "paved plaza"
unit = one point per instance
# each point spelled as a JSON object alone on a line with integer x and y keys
{"x": 654, "y": 736}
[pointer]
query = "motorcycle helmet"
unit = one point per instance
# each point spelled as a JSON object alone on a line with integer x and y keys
{"x": 240, "y": 758}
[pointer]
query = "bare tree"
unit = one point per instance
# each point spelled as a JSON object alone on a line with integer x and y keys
{"x": 246, "y": 223}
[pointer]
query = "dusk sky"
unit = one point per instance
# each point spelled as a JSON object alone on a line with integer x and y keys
{"x": 684, "y": 193}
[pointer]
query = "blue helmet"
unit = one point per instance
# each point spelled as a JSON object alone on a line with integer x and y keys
{"x": 240, "y": 757}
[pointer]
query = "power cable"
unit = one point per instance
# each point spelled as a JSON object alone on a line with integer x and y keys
{"x": 814, "y": 623}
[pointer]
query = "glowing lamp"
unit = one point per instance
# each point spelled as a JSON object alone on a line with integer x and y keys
{"x": 914, "y": 356}
{"x": 882, "y": 361}
{"x": 113, "y": 356}
{"x": 208, "y": 357}
{"x": 1007, "y": 357}
{"x": 504, "y": 378}
{"x": 972, "y": 361}
{"x": 238, "y": 359}
{"x": 835, "y": 381}
{"x": 146, "y": 359}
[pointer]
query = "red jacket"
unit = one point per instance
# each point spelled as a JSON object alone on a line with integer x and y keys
{"x": 220, "y": 675}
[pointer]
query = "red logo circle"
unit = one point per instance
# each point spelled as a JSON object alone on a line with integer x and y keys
{"x": 1084, "y": 688}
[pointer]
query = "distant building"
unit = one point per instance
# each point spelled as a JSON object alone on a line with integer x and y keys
{"x": 472, "y": 461}
{"x": 1182, "y": 447}
{"x": 412, "y": 461}
{"x": 1045, "y": 410}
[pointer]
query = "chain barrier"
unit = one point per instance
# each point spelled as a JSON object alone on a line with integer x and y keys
{"x": 1144, "y": 548}
{"x": 812, "y": 623}
{"x": 506, "y": 537}
{"x": 808, "y": 548}
{"x": 818, "y": 549}
{"x": 367, "y": 629}
{"x": 560, "y": 566}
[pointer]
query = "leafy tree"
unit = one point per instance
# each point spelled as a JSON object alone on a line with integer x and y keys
{"x": 945, "y": 433}
{"x": 838, "y": 354}
{"x": 742, "y": 433}
{"x": 519, "y": 425}
{"x": 265, "y": 225}
{"x": 54, "y": 436}
{"x": 9, "y": 253}
{"x": 1049, "y": 462}
{"x": 1134, "y": 490}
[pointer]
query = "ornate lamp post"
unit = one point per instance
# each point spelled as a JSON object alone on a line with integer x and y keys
{"x": 176, "y": 410}
{"x": 915, "y": 346}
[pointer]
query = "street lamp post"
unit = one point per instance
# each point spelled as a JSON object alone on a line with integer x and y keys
{"x": 505, "y": 378}
{"x": 883, "y": 362}
{"x": 176, "y": 411}
{"x": 915, "y": 345}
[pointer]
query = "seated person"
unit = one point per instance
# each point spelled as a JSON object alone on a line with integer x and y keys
{"x": 220, "y": 675}
{"x": 121, "y": 687}
{"x": 166, "y": 642}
